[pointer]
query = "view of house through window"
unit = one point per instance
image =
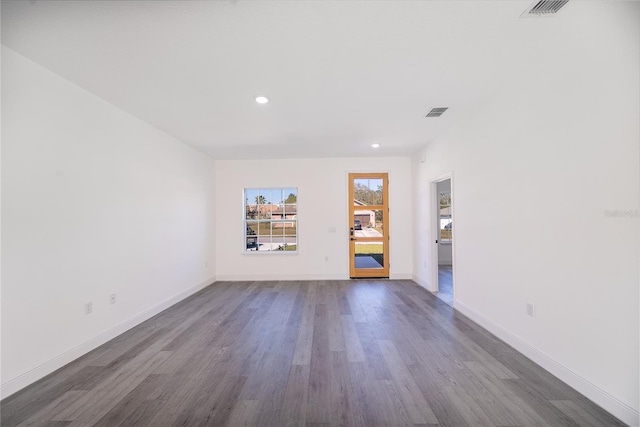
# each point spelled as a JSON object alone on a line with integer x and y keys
{"x": 271, "y": 219}
{"x": 446, "y": 224}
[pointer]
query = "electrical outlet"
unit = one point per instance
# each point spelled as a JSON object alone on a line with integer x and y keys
{"x": 112, "y": 299}
{"x": 88, "y": 308}
{"x": 531, "y": 309}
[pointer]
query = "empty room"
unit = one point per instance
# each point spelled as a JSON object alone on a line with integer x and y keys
{"x": 320, "y": 213}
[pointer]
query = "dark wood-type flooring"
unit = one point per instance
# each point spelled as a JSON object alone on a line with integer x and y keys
{"x": 445, "y": 283}
{"x": 318, "y": 353}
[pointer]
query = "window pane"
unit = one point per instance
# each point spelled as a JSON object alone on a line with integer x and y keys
{"x": 368, "y": 223}
{"x": 369, "y": 255}
{"x": 276, "y": 196}
{"x": 251, "y": 237}
{"x": 264, "y": 228}
{"x": 264, "y": 242}
{"x": 250, "y": 196}
{"x": 251, "y": 212}
{"x": 367, "y": 191}
{"x": 290, "y": 228}
{"x": 261, "y": 198}
{"x": 264, "y": 211}
{"x": 252, "y": 243}
{"x": 252, "y": 228}
{"x": 290, "y": 195}
{"x": 446, "y": 224}
{"x": 277, "y": 236}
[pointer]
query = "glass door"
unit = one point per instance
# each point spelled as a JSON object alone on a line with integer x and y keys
{"x": 369, "y": 225}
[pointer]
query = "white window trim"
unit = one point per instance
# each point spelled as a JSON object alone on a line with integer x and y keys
{"x": 245, "y": 221}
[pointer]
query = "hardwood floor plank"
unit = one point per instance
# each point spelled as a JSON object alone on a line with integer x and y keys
{"x": 470, "y": 409}
{"x": 352, "y": 340}
{"x": 319, "y": 394}
{"x": 549, "y": 413}
{"x": 365, "y": 398}
{"x": 414, "y": 402}
{"x": 322, "y": 292}
{"x": 294, "y": 408}
{"x": 273, "y": 392}
{"x": 447, "y": 413}
{"x": 55, "y": 424}
{"x": 344, "y": 410}
{"x": 584, "y": 415}
{"x": 334, "y": 321}
{"x": 521, "y": 413}
{"x": 391, "y": 410}
{"x": 343, "y": 302}
{"x": 278, "y": 317}
{"x": 183, "y": 391}
{"x": 248, "y": 342}
{"x": 19, "y": 406}
{"x": 302, "y": 355}
{"x": 94, "y": 404}
{"x": 133, "y": 401}
{"x": 244, "y": 413}
{"x": 442, "y": 370}
{"x": 218, "y": 409}
{"x": 44, "y": 415}
{"x": 490, "y": 362}
{"x": 288, "y": 353}
{"x": 354, "y": 305}
{"x": 143, "y": 414}
{"x": 372, "y": 353}
{"x": 537, "y": 379}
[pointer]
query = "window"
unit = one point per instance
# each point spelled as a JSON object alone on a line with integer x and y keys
{"x": 271, "y": 219}
{"x": 446, "y": 224}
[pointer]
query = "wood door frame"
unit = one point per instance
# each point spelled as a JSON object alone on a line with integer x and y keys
{"x": 373, "y": 272}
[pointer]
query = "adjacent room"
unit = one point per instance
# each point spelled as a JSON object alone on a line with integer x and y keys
{"x": 360, "y": 213}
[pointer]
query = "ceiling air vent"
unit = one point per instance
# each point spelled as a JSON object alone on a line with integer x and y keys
{"x": 437, "y": 112}
{"x": 545, "y": 7}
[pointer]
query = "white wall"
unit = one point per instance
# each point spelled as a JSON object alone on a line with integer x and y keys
{"x": 322, "y": 205}
{"x": 94, "y": 202}
{"x": 553, "y": 152}
{"x": 445, "y": 254}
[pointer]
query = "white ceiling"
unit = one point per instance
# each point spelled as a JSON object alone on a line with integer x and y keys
{"x": 340, "y": 75}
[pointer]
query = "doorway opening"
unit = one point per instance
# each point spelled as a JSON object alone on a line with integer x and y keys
{"x": 369, "y": 225}
{"x": 443, "y": 212}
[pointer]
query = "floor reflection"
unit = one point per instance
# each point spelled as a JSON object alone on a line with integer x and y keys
{"x": 445, "y": 284}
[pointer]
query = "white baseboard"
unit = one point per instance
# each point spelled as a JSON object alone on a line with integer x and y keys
{"x": 29, "y": 377}
{"x": 401, "y": 276}
{"x": 608, "y": 402}
{"x": 421, "y": 282}
{"x": 283, "y": 277}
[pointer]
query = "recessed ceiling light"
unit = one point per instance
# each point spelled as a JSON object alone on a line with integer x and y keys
{"x": 262, "y": 99}
{"x": 376, "y": 145}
